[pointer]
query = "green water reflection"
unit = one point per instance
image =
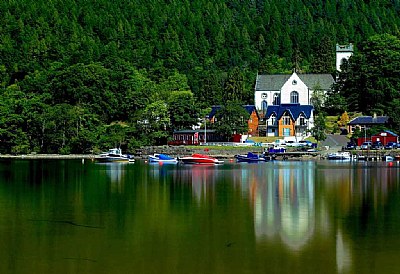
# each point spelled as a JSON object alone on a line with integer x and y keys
{"x": 275, "y": 217}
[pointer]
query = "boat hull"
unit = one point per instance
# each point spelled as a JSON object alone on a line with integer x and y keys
{"x": 244, "y": 158}
{"x": 113, "y": 160}
{"x": 200, "y": 159}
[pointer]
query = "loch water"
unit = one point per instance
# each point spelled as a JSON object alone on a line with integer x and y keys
{"x": 70, "y": 216}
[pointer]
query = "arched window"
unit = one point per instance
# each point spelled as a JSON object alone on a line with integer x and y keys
{"x": 264, "y": 106}
{"x": 294, "y": 97}
{"x": 277, "y": 99}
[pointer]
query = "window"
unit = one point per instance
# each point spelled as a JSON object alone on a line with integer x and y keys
{"x": 294, "y": 82}
{"x": 273, "y": 120}
{"x": 286, "y": 132}
{"x": 264, "y": 106}
{"x": 277, "y": 99}
{"x": 302, "y": 121}
{"x": 264, "y": 96}
{"x": 286, "y": 120}
{"x": 294, "y": 97}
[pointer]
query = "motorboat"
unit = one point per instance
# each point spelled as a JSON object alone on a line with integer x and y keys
{"x": 162, "y": 158}
{"x": 114, "y": 155}
{"x": 250, "y": 158}
{"x": 341, "y": 155}
{"x": 200, "y": 159}
{"x": 388, "y": 158}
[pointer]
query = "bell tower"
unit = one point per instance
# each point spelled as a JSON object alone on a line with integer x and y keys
{"x": 343, "y": 52}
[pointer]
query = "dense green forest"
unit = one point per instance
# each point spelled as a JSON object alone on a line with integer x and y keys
{"x": 84, "y": 74}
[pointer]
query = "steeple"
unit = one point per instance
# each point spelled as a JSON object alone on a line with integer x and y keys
{"x": 343, "y": 52}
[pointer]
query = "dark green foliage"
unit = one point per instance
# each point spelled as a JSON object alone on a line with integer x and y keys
{"x": 79, "y": 66}
{"x": 369, "y": 82}
{"x": 318, "y": 131}
{"x": 231, "y": 119}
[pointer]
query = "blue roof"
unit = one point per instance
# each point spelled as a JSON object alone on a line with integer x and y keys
{"x": 293, "y": 109}
{"x": 248, "y": 108}
{"x": 369, "y": 120}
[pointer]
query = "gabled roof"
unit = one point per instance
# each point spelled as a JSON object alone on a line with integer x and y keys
{"x": 390, "y": 133}
{"x": 369, "y": 120}
{"x": 293, "y": 109}
{"x": 248, "y": 108}
{"x": 276, "y": 81}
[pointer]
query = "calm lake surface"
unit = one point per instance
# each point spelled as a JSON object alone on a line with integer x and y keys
{"x": 65, "y": 216}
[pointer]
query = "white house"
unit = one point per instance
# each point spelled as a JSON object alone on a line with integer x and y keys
{"x": 284, "y": 101}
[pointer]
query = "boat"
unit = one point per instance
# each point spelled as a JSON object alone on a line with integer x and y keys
{"x": 388, "y": 158}
{"x": 114, "y": 155}
{"x": 341, "y": 155}
{"x": 162, "y": 158}
{"x": 200, "y": 159}
{"x": 250, "y": 158}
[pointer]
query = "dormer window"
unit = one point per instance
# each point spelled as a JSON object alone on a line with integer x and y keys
{"x": 294, "y": 82}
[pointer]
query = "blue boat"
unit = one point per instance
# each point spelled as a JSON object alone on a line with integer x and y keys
{"x": 162, "y": 158}
{"x": 250, "y": 158}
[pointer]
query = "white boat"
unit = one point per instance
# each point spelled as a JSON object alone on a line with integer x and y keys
{"x": 341, "y": 155}
{"x": 388, "y": 158}
{"x": 114, "y": 155}
{"x": 162, "y": 158}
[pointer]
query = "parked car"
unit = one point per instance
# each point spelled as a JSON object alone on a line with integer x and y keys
{"x": 377, "y": 145}
{"x": 351, "y": 146}
{"x": 391, "y": 145}
{"x": 366, "y": 145}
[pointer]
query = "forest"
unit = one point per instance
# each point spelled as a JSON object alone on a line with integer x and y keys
{"x": 82, "y": 75}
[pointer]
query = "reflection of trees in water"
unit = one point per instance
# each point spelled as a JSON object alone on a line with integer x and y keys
{"x": 363, "y": 193}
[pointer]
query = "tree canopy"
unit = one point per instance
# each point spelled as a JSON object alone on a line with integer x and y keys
{"x": 72, "y": 71}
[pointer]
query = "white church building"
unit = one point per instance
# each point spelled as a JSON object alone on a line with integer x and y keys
{"x": 284, "y": 103}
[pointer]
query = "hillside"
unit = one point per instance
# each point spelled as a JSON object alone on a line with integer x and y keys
{"x": 80, "y": 75}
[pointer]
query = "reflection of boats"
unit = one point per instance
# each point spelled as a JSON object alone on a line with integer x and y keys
{"x": 250, "y": 158}
{"x": 200, "y": 159}
{"x": 114, "y": 155}
{"x": 342, "y": 155}
{"x": 162, "y": 158}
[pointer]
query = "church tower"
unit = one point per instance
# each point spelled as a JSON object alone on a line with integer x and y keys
{"x": 343, "y": 52}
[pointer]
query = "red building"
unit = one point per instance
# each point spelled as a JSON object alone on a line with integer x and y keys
{"x": 385, "y": 137}
{"x": 194, "y": 137}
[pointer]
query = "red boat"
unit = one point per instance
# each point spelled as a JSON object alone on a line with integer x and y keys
{"x": 200, "y": 159}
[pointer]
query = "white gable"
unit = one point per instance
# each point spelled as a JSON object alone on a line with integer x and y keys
{"x": 295, "y": 84}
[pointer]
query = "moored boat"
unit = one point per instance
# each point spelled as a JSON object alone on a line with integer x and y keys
{"x": 341, "y": 155}
{"x": 114, "y": 155}
{"x": 250, "y": 158}
{"x": 200, "y": 159}
{"x": 162, "y": 158}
